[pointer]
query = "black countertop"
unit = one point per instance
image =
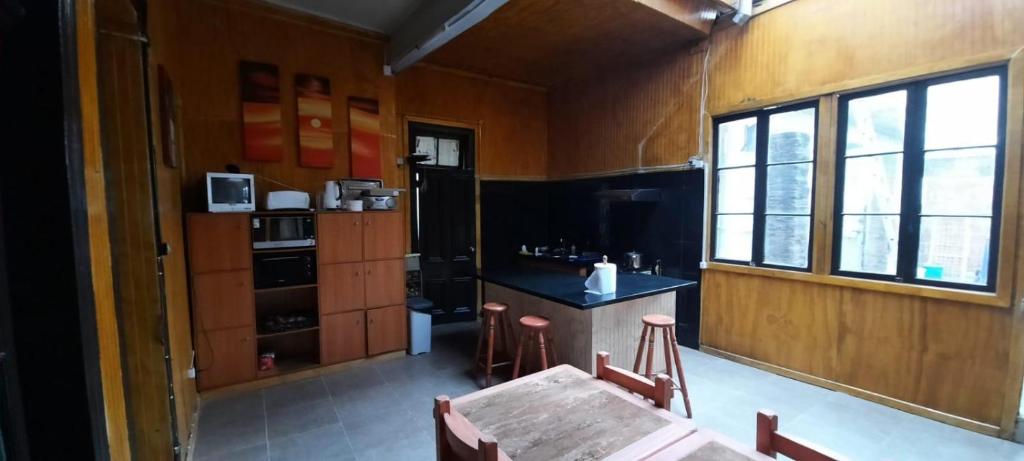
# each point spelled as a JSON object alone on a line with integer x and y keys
{"x": 568, "y": 289}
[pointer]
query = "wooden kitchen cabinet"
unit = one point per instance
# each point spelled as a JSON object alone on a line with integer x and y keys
{"x": 342, "y": 287}
{"x": 385, "y": 282}
{"x": 340, "y": 237}
{"x": 219, "y": 242}
{"x": 228, "y": 356}
{"x": 342, "y": 337}
{"x": 382, "y": 235}
{"x": 223, "y": 299}
{"x": 386, "y": 329}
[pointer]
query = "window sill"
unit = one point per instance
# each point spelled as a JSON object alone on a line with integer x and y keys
{"x": 972, "y": 297}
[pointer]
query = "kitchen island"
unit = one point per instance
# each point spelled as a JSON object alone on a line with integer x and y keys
{"x": 583, "y": 324}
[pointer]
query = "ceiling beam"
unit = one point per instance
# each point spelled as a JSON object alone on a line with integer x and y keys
{"x": 434, "y": 24}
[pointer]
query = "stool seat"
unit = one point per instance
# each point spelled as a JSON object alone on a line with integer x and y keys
{"x": 495, "y": 307}
{"x": 534, "y": 322}
{"x": 658, "y": 320}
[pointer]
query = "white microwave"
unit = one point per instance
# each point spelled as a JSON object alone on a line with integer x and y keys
{"x": 226, "y": 192}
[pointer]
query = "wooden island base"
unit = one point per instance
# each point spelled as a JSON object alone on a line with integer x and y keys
{"x": 579, "y": 334}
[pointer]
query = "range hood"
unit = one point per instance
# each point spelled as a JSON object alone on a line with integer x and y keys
{"x": 630, "y": 195}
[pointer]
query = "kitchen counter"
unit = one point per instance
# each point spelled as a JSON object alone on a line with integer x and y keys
{"x": 584, "y": 324}
{"x": 568, "y": 289}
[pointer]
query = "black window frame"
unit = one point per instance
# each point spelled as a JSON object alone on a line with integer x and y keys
{"x": 912, "y": 178}
{"x": 761, "y": 183}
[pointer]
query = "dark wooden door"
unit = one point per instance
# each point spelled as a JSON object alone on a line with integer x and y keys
{"x": 444, "y": 224}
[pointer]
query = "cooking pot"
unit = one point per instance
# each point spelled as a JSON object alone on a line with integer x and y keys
{"x": 632, "y": 260}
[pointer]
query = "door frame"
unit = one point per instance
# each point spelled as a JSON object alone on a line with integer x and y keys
{"x": 478, "y": 128}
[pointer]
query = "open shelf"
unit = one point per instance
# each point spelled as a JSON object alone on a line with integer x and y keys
{"x": 287, "y": 332}
{"x": 290, "y": 287}
{"x": 289, "y": 365}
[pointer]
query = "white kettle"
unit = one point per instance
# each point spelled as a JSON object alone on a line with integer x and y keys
{"x": 332, "y": 195}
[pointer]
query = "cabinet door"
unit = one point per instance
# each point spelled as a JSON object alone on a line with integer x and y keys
{"x": 342, "y": 337}
{"x": 219, "y": 242}
{"x": 223, "y": 299}
{"x": 226, "y": 357}
{"x": 382, "y": 235}
{"x": 341, "y": 288}
{"x": 339, "y": 237}
{"x": 386, "y": 329}
{"x": 385, "y": 282}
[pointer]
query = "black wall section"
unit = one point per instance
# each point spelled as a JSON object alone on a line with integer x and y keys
{"x": 540, "y": 213}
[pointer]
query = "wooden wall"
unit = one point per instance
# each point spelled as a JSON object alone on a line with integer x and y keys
{"x": 893, "y": 345}
{"x": 513, "y": 118}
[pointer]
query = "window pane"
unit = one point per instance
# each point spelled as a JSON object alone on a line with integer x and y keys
{"x": 873, "y": 184}
{"x": 737, "y": 142}
{"x": 962, "y": 114}
{"x": 789, "y": 188}
{"x": 736, "y": 190}
{"x": 791, "y": 136}
{"x": 958, "y": 182}
{"x": 954, "y": 250}
{"x": 875, "y": 124}
{"x": 733, "y": 237}
{"x": 786, "y": 239}
{"x": 870, "y": 244}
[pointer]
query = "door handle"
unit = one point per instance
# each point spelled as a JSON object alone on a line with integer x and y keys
{"x": 472, "y": 249}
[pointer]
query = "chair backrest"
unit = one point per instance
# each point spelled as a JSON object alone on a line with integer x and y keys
{"x": 458, "y": 439}
{"x": 770, "y": 442}
{"x": 660, "y": 390}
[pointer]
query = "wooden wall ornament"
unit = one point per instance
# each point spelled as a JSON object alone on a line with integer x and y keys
{"x": 364, "y": 138}
{"x": 170, "y": 137}
{"x": 314, "y": 120}
{"x": 261, "y": 112}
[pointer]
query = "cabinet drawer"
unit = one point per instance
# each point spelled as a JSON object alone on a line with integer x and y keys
{"x": 385, "y": 282}
{"x": 223, "y": 299}
{"x": 342, "y": 337}
{"x": 219, "y": 242}
{"x": 341, "y": 288}
{"x": 339, "y": 237}
{"x": 386, "y": 329}
{"x": 226, "y": 357}
{"x": 382, "y": 235}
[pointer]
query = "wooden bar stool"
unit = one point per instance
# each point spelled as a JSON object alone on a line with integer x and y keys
{"x": 667, "y": 326}
{"x": 494, "y": 322}
{"x": 535, "y": 329}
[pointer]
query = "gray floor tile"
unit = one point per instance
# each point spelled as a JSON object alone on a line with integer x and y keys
{"x": 296, "y": 393}
{"x": 289, "y": 420}
{"x": 325, "y": 443}
{"x": 218, "y": 433}
{"x": 256, "y": 452}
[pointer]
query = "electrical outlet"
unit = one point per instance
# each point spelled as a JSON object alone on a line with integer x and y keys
{"x": 191, "y": 373}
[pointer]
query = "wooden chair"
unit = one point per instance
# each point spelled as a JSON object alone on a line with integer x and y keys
{"x": 660, "y": 390}
{"x": 770, "y": 442}
{"x": 458, "y": 439}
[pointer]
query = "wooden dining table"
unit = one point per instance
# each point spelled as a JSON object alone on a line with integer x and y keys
{"x": 564, "y": 413}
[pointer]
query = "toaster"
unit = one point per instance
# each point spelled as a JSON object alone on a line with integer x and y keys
{"x": 287, "y": 200}
{"x": 379, "y": 203}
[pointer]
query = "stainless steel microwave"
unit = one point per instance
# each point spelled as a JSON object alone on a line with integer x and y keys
{"x": 283, "y": 231}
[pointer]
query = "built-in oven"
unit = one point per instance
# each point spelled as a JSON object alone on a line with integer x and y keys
{"x": 284, "y": 268}
{"x": 283, "y": 231}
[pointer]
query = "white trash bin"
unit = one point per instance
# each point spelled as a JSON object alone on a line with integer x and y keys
{"x": 419, "y": 325}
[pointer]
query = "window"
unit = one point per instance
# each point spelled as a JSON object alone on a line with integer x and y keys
{"x": 764, "y": 184}
{"x": 919, "y": 181}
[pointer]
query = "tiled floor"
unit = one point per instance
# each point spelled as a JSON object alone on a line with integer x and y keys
{"x": 382, "y": 411}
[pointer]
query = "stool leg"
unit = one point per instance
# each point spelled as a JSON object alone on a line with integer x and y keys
{"x": 679, "y": 369}
{"x": 640, "y": 351}
{"x": 490, "y": 349}
{"x": 519, "y": 355}
{"x": 528, "y": 358}
{"x": 668, "y": 352}
{"x": 650, "y": 354}
{"x": 510, "y": 340}
{"x": 480, "y": 342}
{"x": 543, "y": 351}
{"x": 551, "y": 346}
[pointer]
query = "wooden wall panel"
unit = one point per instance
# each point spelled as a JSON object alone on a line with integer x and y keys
{"x": 944, "y": 355}
{"x": 514, "y": 118}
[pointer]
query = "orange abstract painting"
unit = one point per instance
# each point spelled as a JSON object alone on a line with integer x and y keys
{"x": 364, "y": 136}
{"x": 261, "y": 113}
{"x": 316, "y": 137}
